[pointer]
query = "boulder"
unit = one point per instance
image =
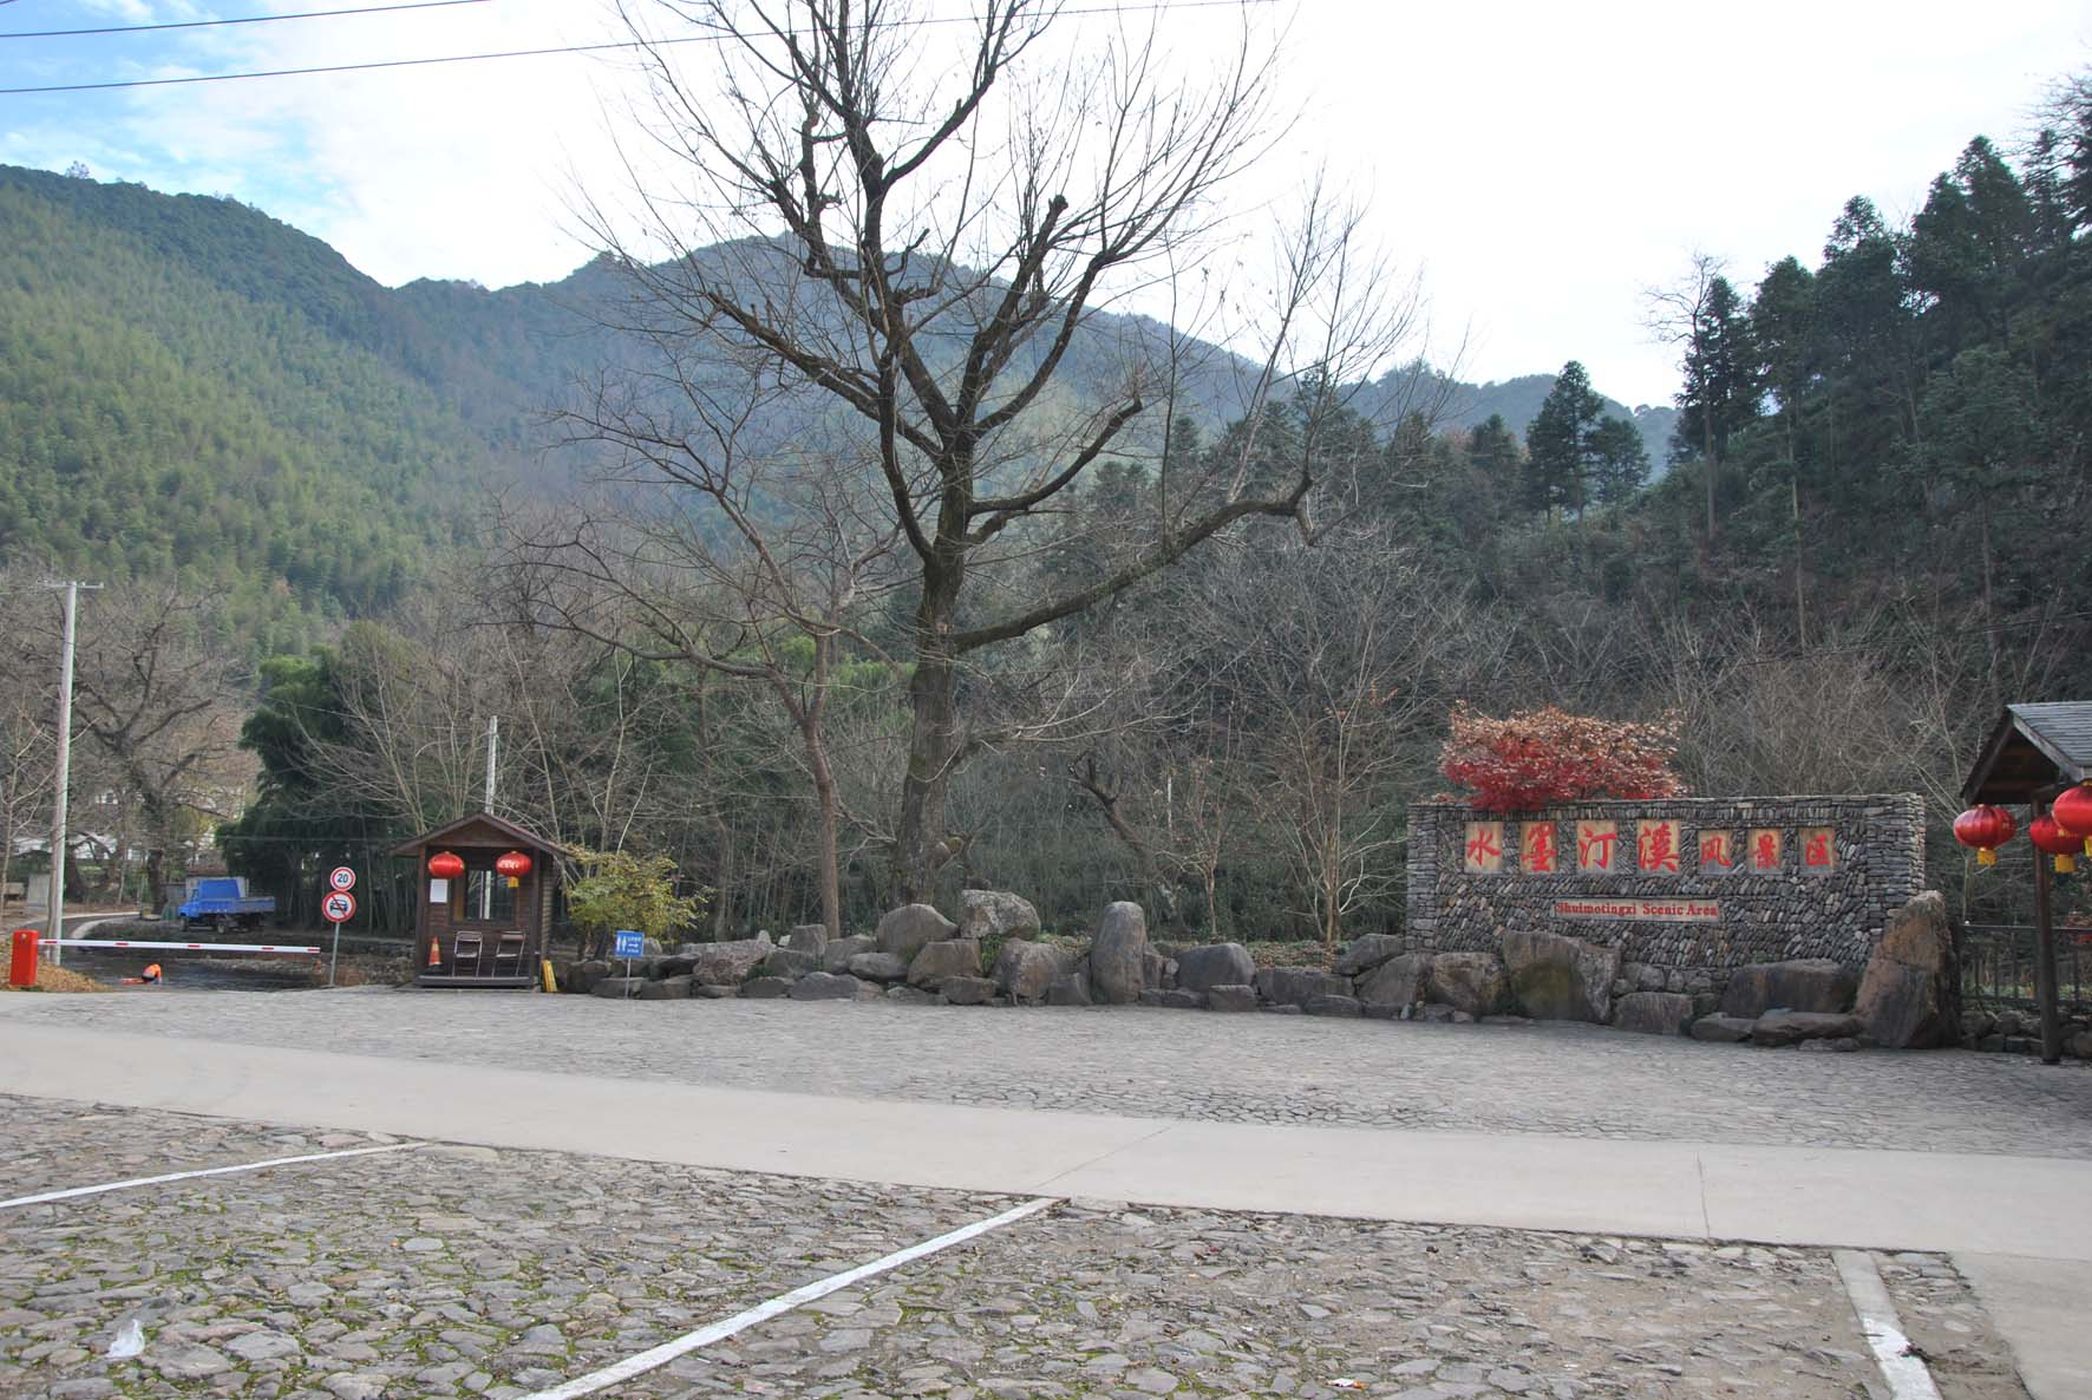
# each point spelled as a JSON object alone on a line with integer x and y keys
{"x": 726, "y": 964}
{"x": 1400, "y": 981}
{"x": 879, "y": 967}
{"x": 617, "y": 988}
{"x": 1437, "y": 1013}
{"x": 1554, "y": 978}
{"x": 766, "y": 987}
{"x": 667, "y": 989}
{"x": 1470, "y": 982}
{"x": 1331, "y": 1005}
{"x": 1781, "y": 1027}
{"x": 1215, "y": 965}
{"x": 1722, "y": 1030}
{"x": 1157, "y": 971}
{"x": 582, "y": 977}
{"x": 1242, "y": 998}
{"x": 968, "y": 991}
{"x": 913, "y": 996}
{"x": 905, "y": 930}
{"x": 706, "y": 989}
{"x": 807, "y": 938}
{"x": 1367, "y": 952}
{"x": 1909, "y": 997}
{"x": 1803, "y": 984}
{"x": 1295, "y": 986}
{"x": 939, "y": 962}
{"x": 985, "y": 914}
{"x": 1069, "y": 989}
{"x": 835, "y": 957}
{"x": 1119, "y": 954}
{"x": 827, "y": 986}
{"x": 1654, "y": 1013}
{"x": 789, "y": 963}
{"x": 1027, "y": 971}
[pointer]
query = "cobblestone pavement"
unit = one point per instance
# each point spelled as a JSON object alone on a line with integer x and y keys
{"x": 459, "y": 1272}
{"x": 1569, "y": 1080}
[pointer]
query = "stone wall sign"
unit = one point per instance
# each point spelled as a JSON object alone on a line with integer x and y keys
{"x": 1692, "y": 886}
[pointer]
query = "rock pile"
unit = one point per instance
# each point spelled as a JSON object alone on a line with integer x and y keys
{"x": 1908, "y": 995}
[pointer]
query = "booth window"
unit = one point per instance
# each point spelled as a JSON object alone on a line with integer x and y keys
{"x": 486, "y": 898}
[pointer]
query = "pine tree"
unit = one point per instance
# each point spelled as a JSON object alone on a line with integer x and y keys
{"x": 1558, "y": 444}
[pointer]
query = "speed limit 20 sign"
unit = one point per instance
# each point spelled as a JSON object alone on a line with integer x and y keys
{"x": 338, "y": 907}
{"x": 341, "y": 878}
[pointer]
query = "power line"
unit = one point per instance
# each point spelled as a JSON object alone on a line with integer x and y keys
{"x": 626, "y": 44}
{"x": 244, "y": 19}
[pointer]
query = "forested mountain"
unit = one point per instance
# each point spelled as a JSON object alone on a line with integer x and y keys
{"x": 190, "y": 388}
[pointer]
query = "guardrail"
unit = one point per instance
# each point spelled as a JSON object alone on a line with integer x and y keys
{"x": 1998, "y": 963}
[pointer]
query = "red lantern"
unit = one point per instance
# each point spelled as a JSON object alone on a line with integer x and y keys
{"x": 1986, "y": 828}
{"x": 2072, "y": 810}
{"x": 446, "y": 865}
{"x": 515, "y": 865}
{"x": 2048, "y": 835}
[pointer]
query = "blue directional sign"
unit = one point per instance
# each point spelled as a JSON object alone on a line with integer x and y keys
{"x": 630, "y": 944}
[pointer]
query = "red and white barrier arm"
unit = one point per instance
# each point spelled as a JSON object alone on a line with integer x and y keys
{"x": 190, "y": 947}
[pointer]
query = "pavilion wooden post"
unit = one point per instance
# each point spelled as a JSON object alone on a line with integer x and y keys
{"x": 2045, "y": 954}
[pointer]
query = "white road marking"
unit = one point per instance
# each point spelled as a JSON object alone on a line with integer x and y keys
{"x": 1906, "y": 1374}
{"x": 762, "y": 1312}
{"x": 138, "y": 1181}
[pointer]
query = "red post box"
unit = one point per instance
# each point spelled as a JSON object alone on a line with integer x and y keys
{"x": 21, "y": 960}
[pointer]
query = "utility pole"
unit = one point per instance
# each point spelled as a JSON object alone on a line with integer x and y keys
{"x": 56, "y": 927}
{"x": 493, "y": 745}
{"x": 486, "y": 892}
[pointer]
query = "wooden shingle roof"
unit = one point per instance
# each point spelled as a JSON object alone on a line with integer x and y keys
{"x": 2033, "y": 747}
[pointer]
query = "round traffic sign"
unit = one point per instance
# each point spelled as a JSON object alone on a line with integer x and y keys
{"x": 341, "y": 878}
{"x": 338, "y": 907}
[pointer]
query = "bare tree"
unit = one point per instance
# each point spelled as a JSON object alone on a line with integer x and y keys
{"x": 911, "y": 226}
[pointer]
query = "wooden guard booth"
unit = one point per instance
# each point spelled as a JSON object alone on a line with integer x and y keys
{"x": 479, "y": 926}
{"x": 2034, "y": 752}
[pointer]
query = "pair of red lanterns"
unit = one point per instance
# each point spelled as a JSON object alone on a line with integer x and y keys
{"x": 2063, "y": 831}
{"x": 448, "y": 865}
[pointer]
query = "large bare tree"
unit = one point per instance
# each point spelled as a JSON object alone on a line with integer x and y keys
{"x": 911, "y": 222}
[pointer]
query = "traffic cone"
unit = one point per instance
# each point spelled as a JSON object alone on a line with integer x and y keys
{"x": 435, "y": 952}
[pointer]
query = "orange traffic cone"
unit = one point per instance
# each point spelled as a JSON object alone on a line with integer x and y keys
{"x": 435, "y": 952}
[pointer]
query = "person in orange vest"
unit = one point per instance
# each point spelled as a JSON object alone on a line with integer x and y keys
{"x": 152, "y": 974}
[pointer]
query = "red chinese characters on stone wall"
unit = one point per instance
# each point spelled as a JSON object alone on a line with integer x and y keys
{"x": 1594, "y": 845}
{"x": 1656, "y": 847}
{"x": 1484, "y": 848}
{"x": 1661, "y": 846}
{"x": 1537, "y": 852}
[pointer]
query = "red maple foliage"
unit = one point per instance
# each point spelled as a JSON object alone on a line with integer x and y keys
{"x": 1539, "y": 758}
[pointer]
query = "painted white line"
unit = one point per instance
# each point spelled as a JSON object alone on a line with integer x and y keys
{"x": 762, "y": 1312}
{"x": 138, "y": 1181}
{"x": 1906, "y": 1374}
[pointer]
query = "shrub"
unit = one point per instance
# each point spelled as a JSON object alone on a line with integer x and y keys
{"x": 1539, "y": 758}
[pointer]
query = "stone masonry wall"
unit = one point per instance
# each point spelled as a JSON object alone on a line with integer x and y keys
{"x": 1822, "y": 886}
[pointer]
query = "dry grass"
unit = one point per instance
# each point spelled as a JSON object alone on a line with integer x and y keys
{"x": 59, "y": 979}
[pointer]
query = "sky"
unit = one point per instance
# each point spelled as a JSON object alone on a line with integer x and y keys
{"x": 1542, "y": 166}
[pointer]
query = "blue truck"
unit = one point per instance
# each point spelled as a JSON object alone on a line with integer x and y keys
{"x": 222, "y": 902}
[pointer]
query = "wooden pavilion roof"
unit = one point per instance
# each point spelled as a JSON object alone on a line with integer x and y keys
{"x": 2032, "y": 748}
{"x": 462, "y": 833}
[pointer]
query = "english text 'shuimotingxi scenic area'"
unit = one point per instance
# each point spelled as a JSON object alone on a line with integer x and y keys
{"x": 986, "y": 699}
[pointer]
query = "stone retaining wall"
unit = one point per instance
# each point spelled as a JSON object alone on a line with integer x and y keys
{"x": 1822, "y": 886}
